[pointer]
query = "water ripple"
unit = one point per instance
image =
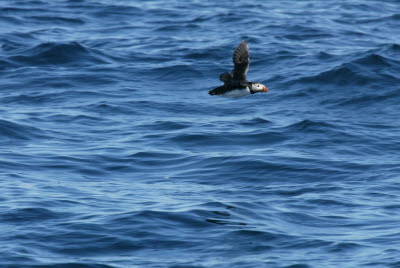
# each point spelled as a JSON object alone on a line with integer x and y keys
{"x": 114, "y": 155}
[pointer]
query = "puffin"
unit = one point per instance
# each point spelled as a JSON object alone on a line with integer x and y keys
{"x": 235, "y": 83}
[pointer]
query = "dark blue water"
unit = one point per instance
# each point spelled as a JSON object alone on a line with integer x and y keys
{"x": 112, "y": 153}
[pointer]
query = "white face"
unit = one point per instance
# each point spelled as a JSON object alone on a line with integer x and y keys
{"x": 257, "y": 87}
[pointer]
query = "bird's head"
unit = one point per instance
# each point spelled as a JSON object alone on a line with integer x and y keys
{"x": 258, "y": 87}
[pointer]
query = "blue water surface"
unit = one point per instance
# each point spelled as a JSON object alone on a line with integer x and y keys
{"x": 112, "y": 153}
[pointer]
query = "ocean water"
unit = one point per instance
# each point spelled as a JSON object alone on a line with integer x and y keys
{"x": 112, "y": 153}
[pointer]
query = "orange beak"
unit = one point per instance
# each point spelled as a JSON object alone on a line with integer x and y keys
{"x": 265, "y": 89}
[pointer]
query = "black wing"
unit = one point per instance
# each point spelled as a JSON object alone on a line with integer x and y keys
{"x": 241, "y": 60}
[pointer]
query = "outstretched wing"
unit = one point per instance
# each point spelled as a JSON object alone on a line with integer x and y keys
{"x": 241, "y": 61}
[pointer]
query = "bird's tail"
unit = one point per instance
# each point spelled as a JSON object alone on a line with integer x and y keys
{"x": 217, "y": 91}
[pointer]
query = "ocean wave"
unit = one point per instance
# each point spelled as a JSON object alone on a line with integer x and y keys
{"x": 374, "y": 60}
{"x": 58, "y": 54}
{"x": 4, "y": 64}
{"x": 360, "y": 71}
{"x": 344, "y": 74}
{"x": 307, "y": 125}
{"x": 109, "y": 11}
{"x": 10, "y": 20}
{"x": 228, "y": 139}
{"x": 383, "y": 19}
{"x": 112, "y": 154}
{"x": 30, "y": 215}
{"x": 11, "y": 130}
{"x": 45, "y": 19}
{"x": 70, "y": 264}
{"x": 390, "y": 97}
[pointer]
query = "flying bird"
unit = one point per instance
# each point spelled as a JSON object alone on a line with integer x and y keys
{"x": 235, "y": 83}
